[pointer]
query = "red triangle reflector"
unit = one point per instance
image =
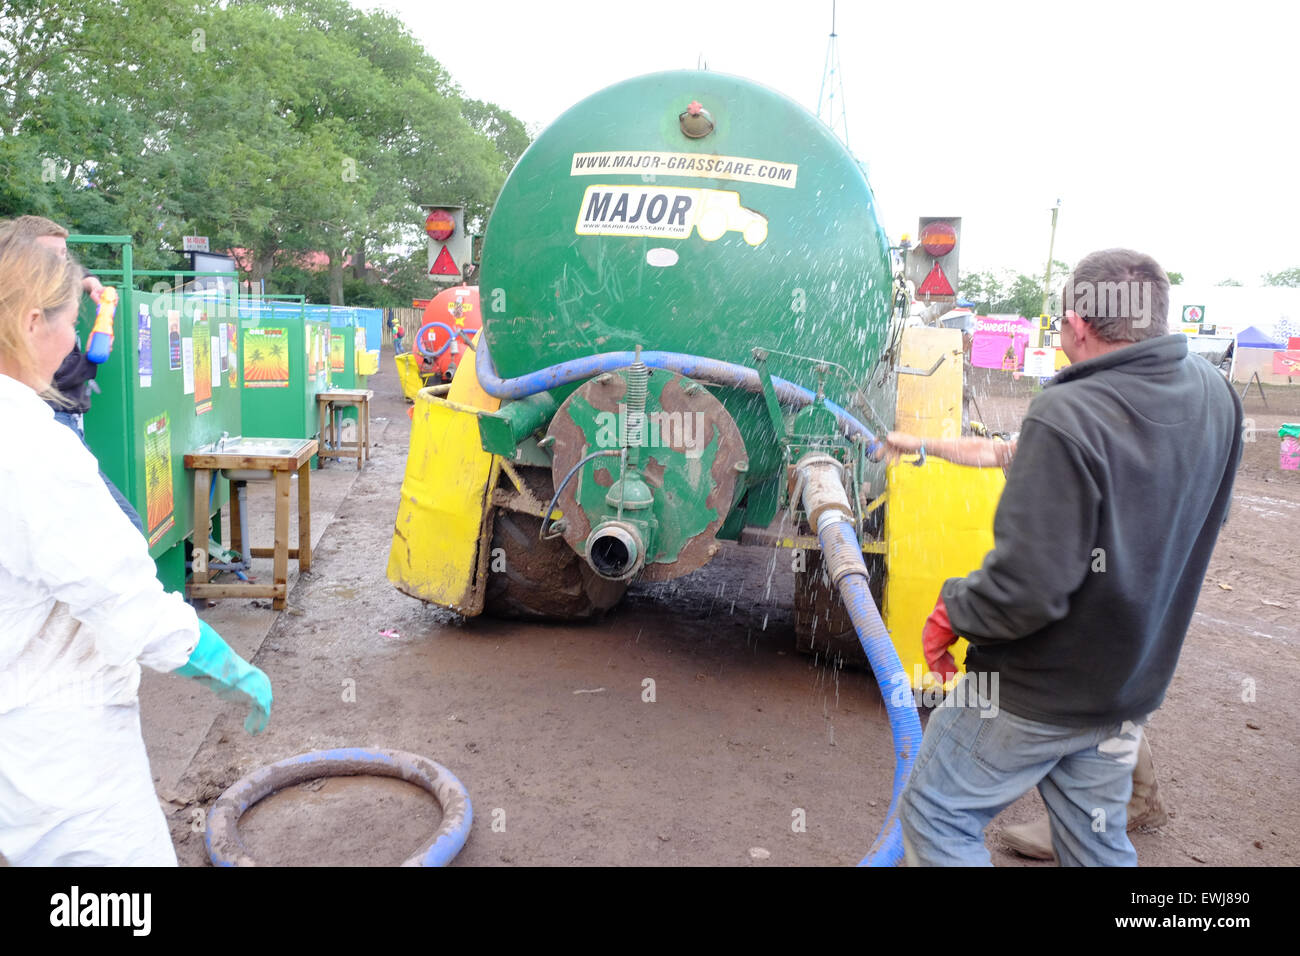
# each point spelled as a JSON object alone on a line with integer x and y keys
{"x": 444, "y": 265}
{"x": 936, "y": 283}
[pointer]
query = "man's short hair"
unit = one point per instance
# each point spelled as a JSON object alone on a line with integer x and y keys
{"x": 32, "y": 227}
{"x": 1123, "y": 295}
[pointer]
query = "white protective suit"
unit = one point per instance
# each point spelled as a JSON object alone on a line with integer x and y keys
{"x": 81, "y": 609}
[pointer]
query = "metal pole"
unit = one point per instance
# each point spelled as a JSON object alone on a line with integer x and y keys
{"x": 1051, "y": 245}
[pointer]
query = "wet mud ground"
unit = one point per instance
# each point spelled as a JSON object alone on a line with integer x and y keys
{"x": 567, "y": 763}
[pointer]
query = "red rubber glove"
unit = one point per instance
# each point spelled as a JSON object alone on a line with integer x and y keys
{"x": 936, "y": 638}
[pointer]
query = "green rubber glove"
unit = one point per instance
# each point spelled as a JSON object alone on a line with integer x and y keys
{"x": 218, "y": 668}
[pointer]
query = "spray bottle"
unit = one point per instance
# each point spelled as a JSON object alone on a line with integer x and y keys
{"x": 101, "y": 336}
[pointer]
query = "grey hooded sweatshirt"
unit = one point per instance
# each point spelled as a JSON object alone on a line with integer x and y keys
{"x": 1121, "y": 480}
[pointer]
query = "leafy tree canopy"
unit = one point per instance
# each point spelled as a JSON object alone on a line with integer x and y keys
{"x": 1003, "y": 291}
{"x": 1290, "y": 278}
{"x": 279, "y": 128}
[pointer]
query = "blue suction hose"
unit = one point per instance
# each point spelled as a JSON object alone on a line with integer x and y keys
{"x": 835, "y": 531}
{"x": 692, "y": 366}
{"x": 904, "y": 724}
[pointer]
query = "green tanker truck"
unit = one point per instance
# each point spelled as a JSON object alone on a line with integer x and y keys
{"x": 688, "y": 337}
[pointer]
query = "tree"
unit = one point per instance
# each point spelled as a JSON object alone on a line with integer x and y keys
{"x": 503, "y": 129}
{"x": 412, "y": 130}
{"x": 986, "y": 289}
{"x": 77, "y": 146}
{"x": 1005, "y": 292}
{"x": 1229, "y": 282}
{"x": 280, "y": 128}
{"x": 1175, "y": 278}
{"x": 1289, "y": 278}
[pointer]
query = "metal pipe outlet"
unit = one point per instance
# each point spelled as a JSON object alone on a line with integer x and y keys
{"x": 615, "y": 551}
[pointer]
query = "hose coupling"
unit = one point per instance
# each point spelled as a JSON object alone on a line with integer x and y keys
{"x": 615, "y": 550}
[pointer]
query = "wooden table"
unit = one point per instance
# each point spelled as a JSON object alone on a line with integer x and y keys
{"x": 326, "y": 403}
{"x": 244, "y": 460}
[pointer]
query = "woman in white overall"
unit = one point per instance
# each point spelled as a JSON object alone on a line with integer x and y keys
{"x": 80, "y": 610}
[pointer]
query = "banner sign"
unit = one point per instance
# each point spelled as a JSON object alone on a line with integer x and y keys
{"x": 1000, "y": 342}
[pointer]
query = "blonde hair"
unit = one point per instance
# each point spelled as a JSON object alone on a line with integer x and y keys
{"x": 31, "y": 277}
{"x": 32, "y": 227}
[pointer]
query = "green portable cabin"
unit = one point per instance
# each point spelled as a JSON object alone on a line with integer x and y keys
{"x": 348, "y": 358}
{"x": 284, "y": 364}
{"x": 169, "y": 385}
{"x": 347, "y": 350}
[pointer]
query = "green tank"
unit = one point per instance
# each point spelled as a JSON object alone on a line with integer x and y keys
{"x": 694, "y": 213}
{"x": 622, "y": 225}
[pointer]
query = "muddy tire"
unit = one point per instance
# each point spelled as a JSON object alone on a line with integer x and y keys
{"x": 542, "y": 580}
{"x": 822, "y": 625}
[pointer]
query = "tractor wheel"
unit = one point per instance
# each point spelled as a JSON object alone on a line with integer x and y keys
{"x": 541, "y": 580}
{"x": 821, "y": 621}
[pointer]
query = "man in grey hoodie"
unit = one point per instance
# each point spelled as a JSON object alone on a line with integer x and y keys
{"x": 1121, "y": 480}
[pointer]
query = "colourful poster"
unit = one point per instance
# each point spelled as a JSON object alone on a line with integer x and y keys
{"x": 158, "y": 478}
{"x": 1000, "y": 342}
{"x": 202, "y": 366}
{"x": 232, "y": 346}
{"x": 144, "y": 350}
{"x": 266, "y": 358}
{"x": 337, "y": 357}
{"x": 174, "y": 360}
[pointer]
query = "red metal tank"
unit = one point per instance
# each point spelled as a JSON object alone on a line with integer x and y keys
{"x": 450, "y": 321}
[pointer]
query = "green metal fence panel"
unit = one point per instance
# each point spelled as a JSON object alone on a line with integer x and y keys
{"x": 169, "y": 385}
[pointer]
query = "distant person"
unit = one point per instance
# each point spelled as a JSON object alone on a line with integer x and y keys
{"x": 1119, "y": 484}
{"x": 396, "y": 331}
{"x": 81, "y": 608}
{"x": 73, "y": 377}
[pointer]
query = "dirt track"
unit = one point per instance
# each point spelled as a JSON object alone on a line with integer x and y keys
{"x": 567, "y": 763}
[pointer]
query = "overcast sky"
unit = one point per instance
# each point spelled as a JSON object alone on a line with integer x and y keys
{"x": 1166, "y": 127}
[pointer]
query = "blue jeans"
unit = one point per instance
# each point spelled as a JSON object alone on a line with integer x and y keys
{"x": 976, "y": 760}
{"x": 70, "y": 419}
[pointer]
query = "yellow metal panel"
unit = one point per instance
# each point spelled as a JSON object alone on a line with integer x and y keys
{"x": 930, "y": 405}
{"x": 938, "y": 525}
{"x": 408, "y": 373}
{"x": 465, "y": 388}
{"x": 439, "y": 542}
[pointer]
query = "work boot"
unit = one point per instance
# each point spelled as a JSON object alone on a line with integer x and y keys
{"x": 1033, "y": 840}
{"x": 1145, "y": 809}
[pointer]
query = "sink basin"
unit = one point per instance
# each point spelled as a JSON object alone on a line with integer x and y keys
{"x": 252, "y": 448}
{"x": 246, "y": 474}
{"x": 259, "y": 446}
